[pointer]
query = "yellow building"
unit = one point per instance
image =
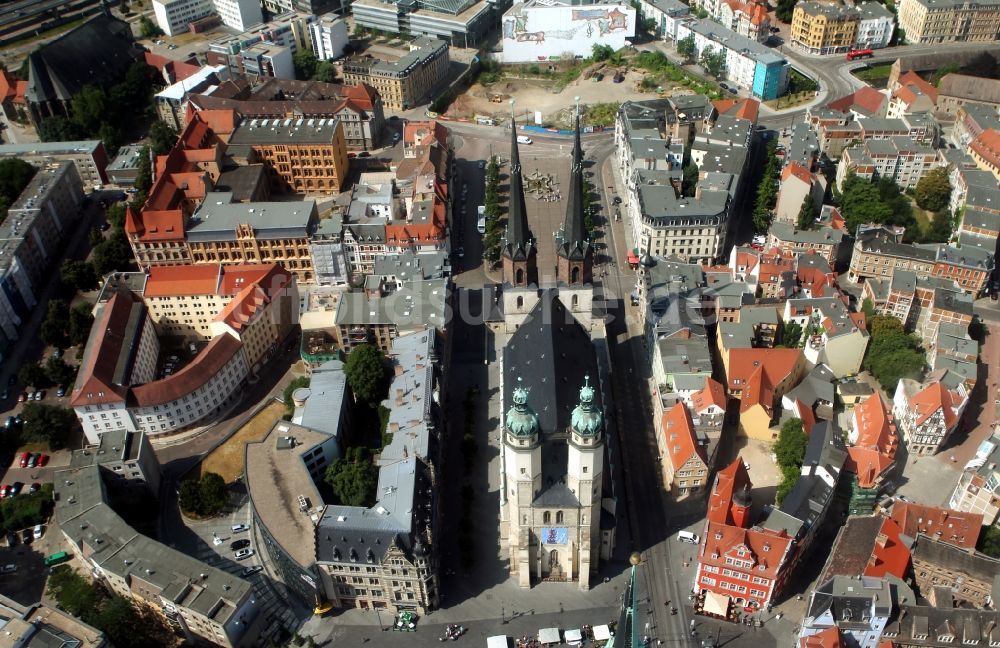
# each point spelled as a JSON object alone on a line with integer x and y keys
{"x": 943, "y": 21}
{"x": 824, "y": 28}
{"x": 759, "y": 378}
{"x": 301, "y": 155}
{"x": 402, "y": 84}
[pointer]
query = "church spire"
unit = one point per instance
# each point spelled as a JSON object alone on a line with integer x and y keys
{"x": 518, "y": 250}
{"x": 575, "y": 252}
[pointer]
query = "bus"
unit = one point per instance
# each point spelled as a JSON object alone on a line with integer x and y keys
{"x": 481, "y": 223}
{"x": 859, "y": 54}
{"x": 56, "y": 559}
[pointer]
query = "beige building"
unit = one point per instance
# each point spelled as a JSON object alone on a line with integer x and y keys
{"x": 797, "y": 182}
{"x": 301, "y": 155}
{"x": 969, "y": 575}
{"x": 824, "y": 28}
{"x": 943, "y": 21}
{"x": 404, "y": 83}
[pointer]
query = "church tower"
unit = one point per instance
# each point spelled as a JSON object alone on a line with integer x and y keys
{"x": 522, "y": 453}
{"x": 583, "y": 476}
{"x": 575, "y": 254}
{"x": 518, "y": 251}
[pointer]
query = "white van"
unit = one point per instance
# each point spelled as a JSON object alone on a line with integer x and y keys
{"x": 523, "y": 139}
{"x": 687, "y": 536}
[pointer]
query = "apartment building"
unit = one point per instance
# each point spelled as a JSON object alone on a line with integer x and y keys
{"x": 403, "y": 83}
{"x": 174, "y": 16}
{"x": 301, "y": 155}
{"x": 985, "y": 151}
{"x": 685, "y": 462}
{"x": 172, "y": 102}
{"x": 847, "y": 609}
{"x": 927, "y": 413}
{"x": 957, "y": 90}
{"x": 833, "y": 335}
{"x": 955, "y": 528}
{"x": 748, "y": 19}
{"x": 200, "y": 602}
{"x": 759, "y": 378}
{"x": 876, "y": 27}
{"x": 665, "y": 14}
{"x": 289, "y": 30}
{"x": 871, "y": 452}
{"x": 899, "y": 158}
{"x": 945, "y": 21}
{"x": 824, "y": 28}
{"x": 390, "y": 311}
{"x": 797, "y": 182}
{"x": 329, "y": 37}
{"x": 823, "y": 241}
{"x": 35, "y": 228}
{"x": 126, "y": 458}
{"x": 969, "y": 575}
{"x": 267, "y": 60}
{"x": 979, "y": 483}
{"x": 749, "y": 64}
{"x": 88, "y": 156}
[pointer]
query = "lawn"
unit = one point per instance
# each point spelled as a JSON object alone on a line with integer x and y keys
{"x": 227, "y": 459}
{"x": 874, "y": 74}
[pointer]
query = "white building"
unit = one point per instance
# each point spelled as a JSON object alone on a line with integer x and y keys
{"x": 539, "y": 30}
{"x": 876, "y": 26}
{"x": 927, "y": 413}
{"x": 329, "y": 37}
{"x": 667, "y": 14}
{"x": 174, "y": 16}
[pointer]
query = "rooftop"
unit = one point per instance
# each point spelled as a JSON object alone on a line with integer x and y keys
{"x": 255, "y": 132}
{"x": 218, "y": 217}
{"x": 412, "y": 304}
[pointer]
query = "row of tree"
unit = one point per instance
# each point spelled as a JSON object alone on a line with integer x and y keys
{"x": 789, "y": 450}
{"x": 713, "y": 60}
{"x": 767, "y": 193}
{"x": 491, "y": 201}
{"x": 882, "y": 202}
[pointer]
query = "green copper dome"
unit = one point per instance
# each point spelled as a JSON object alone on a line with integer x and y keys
{"x": 521, "y": 419}
{"x": 587, "y": 419}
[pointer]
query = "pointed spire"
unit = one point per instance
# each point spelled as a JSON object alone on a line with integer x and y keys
{"x": 518, "y": 240}
{"x": 574, "y": 235}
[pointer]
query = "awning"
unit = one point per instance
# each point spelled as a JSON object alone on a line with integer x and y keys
{"x": 632, "y": 258}
{"x": 602, "y": 633}
{"x": 574, "y": 637}
{"x": 549, "y": 636}
{"x": 717, "y": 604}
{"x": 499, "y": 641}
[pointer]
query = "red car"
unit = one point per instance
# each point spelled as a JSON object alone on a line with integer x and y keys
{"x": 5, "y": 491}
{"x": 24, "y": 459}
{"x": 43, "y": 459}
{"x": 23, "y": 396}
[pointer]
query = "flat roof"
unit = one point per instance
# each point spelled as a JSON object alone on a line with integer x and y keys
{"x": 127, "y": 158}
{"x": 50, "y": 148}
{"x": 217, "y": 218}
{"x": 285, "y": 131}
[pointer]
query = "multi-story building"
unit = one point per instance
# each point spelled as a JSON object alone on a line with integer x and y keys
{"x": 35, "y": 227}
{"x": 685, "y": 462}
{"x": 329, "y": 37}
{"x": 928, "y": 413}
{"x": 985, "y": 151}
{"x": 978, "y": 488}
{"x": 37, "y": 624}
{"x": 289, "y": 30}
{"x": 832, "y": 334}
{"x": 968, "y": 574}
{"x": 314, "y": 7}
{"x": 847, "y": 608}
{"x": 824, "y": 28}
{"x": 463, "y": 23}
{"x": 267, "y": 60}
{"x": 126, "y": 458}
{"x": 797, "y": 182}
{"x": 871, "y": 452}
{"x": 174, "y": 16}
{"x": 88, "y": 156}
{"x": 748, "y": 19}
{"x": 876, "y": 27}
{"x": 971, "y": 119}
{"x": 172, "y": 102}
{"x": 944, "y": 21}
{"x": 900, "y": 159}
{"x": 199, "y": 601}
{"x": 957, "y": 90}
{"x": 758, "y": 378}
{"x": 823, "y": 241}
{"x": 308, "y": 156}
{"x": 358, "y": 107}
{"x": 381, "y": 316}
{"x": 403, "y": 83}
{"x": 749, "y": 64}
{"x": 665, "y": 14}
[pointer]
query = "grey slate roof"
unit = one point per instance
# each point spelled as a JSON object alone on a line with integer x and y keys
{"x": 327, "y": 392}
{"x": 217, "y": 218}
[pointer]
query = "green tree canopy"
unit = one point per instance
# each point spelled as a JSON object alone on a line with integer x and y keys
{"x": 860, "y": 203}
{"x": 686, "y": 47}
{"x": 32, "y": 374}
{"x": 161, "y": 138}
{"x": 78, "y": 275}
{"x": 59, "y": 372}
{"x": 791, "y": 334}
{"x": 353, "y": 478}
{"x": 15, "y": 174}
{"x": 785, "y": 9}
{"x": 807, "y": 212}
{"x": 148, "y": 28}
{"x": 48, "y": 424}
{"x": 205, "y": 496}
{"x": 366, "y": 374}
{"x": 56, "y": 323}
{"x": 80, "y": 321}
{"x": 305, "y": 63}
{"x": 714, "y": 62}
{"x": 933, "y": 191}
{"x": 790, "y": 450}
{"x": 892, "y": 353}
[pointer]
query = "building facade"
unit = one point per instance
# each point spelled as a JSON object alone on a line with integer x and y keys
{"x": 403, "y": 83}
{"x": 89, "y": 157}
{"x": 537, "y": 31}
{"x": 824, "y": 28}
{"x": 945, "y": 21}
{"x": 329, "y": 37}
{"x": 927, "y": 414}
{"x": 300, "y": 156}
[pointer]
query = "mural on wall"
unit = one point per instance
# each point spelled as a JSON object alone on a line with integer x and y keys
{"x": 601, "y": 22}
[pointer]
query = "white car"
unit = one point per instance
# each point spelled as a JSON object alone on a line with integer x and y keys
{"x": 38, "y": 532}
{"x": 238, "y": 528}
{"x": 8, "y": 569}
{"x": 243, "y": 553}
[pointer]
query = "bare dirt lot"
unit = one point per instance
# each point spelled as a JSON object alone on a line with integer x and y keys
{"x": 227, "y": 459}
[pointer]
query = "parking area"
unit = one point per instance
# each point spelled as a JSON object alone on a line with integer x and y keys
{"x": 25, "y": 581}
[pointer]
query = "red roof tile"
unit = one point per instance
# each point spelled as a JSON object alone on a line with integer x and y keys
{"x": 219, "y": 351}
{"x": 954, "y": 527}
{"x": 755, "y": 373}
{"x": 889, "y": 554}
{"x": 713, "y": 393}
{"x": 732, "y": 479}
{"x": 874, "y": 451}
{"x": 765, "y": 550}
{"x": 120, "y": 319}
{"x": 829, "y": 638}
{"x": 911, "y": 78}
{"x": 797, "y": 170}
{"x": 678, "y": 436}
{"x": 932, "y": 398}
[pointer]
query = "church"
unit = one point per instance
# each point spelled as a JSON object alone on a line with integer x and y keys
{"x": 557, "y": 510}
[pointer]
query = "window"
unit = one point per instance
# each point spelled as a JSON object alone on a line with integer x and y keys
{"x": 546, "y": 517}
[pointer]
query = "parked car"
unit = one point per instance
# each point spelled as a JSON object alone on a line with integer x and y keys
{"x": 25, "y": 457}
{"x": 8, "y": 569}
{"x": 12, "y": 539}
{"x": 30, "y": 396}
{"x": 40, "y": 394}
{"x": 5, "y": 491}
{"x": 43, "y": 459}
{"x": 38, "y": 531}
{"x": 251, "y": 570}
{"x": 61, "y": 391}
{"x": 15, "y": 488}
{"x": 26, "y": 537}
{"x": 23, "y": 396}
{"x": 240, "y": 544}
{"x": 10, "y": 422}
{"x": 239, "y": 528}
{"x": 243, "y": 553}
{"x": 35, "y": 487}
{"x": 33, "y": 460}
{"x": 5, "y": 394}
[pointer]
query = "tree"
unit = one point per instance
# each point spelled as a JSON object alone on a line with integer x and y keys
{"x": 791, "y": 335}
{"x": 90, "y": 109}
{"x": 80, "y": 321}
{"x": 366, "y": 374}
{"x": 806, "y": 213}
{"x": 53, "y": 330}
{"x": 114, "y": 253}
{"x": 689, "y": 181}
{"x": 939, "y": 229}
{"x": 861, "y": 203}
{"x": 204, "y": 497}
{"x": 789, "y": 450}
{"x": 58, "y": 129}
{"x": 115, "y": 214}
{"x": 32, "y": 375}
{"x": 989, "y": 541}
{"x": 933, "y": 191}
{"x": 785, "y": 9}
{"x": 766, "y": 193}
{"x": 945, "y": 69}
{"x": 144, "y": 172}
{"x": 353, "y": 478}
{"x": 58, "y": 372}
{"x": 73, "y": 592}
{"x": 868, "y": 308}
{"x": 161, "y": 138}
{"x": 148, "y": 28}
{"x": 79, "y": 275}
{"x": 286, "y": 396}
{"x": 305, "y": 64}
{"x": 713, "y": 62}
{"x": 892, "y": 353}
{"x": 686, "y": 47}
{"x": 48, "y": 424}
{"x": 15, "y": 174}
{"x": 601, "y": 52}
{"x": 325, "y": 72}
